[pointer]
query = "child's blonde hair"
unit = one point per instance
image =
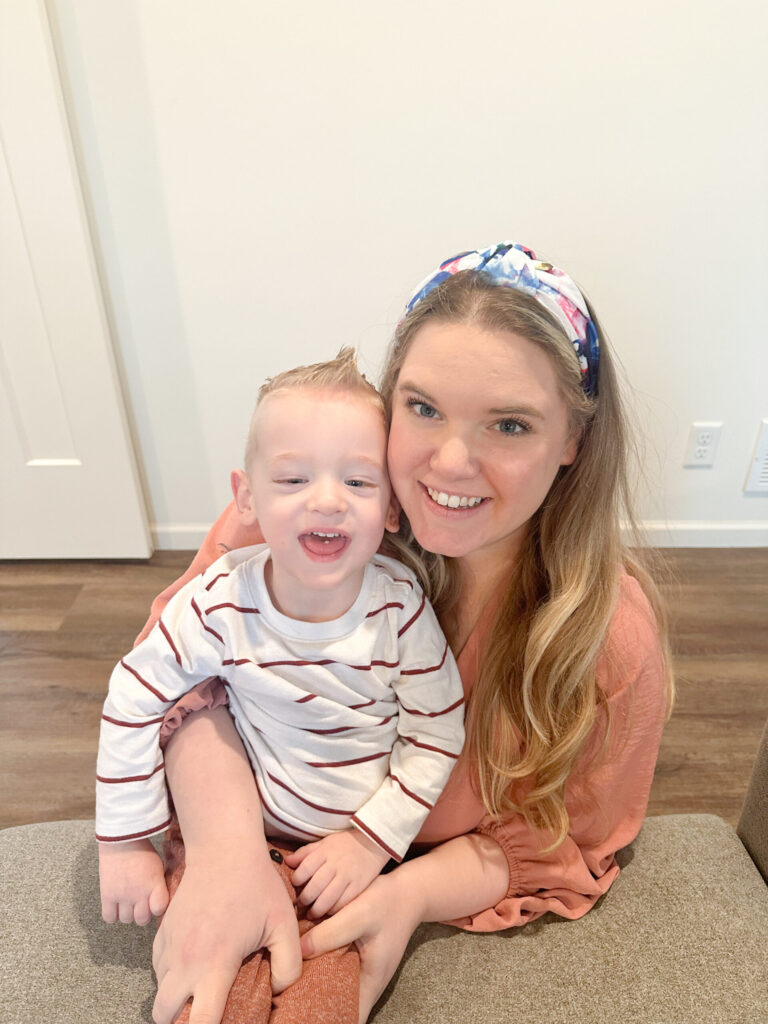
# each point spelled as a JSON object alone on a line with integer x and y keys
{"x": 339, "y": 374}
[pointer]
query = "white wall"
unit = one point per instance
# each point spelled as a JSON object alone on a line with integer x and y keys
{"x": 268, "y": 182}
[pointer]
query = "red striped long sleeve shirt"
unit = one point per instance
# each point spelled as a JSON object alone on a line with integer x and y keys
{"x": 354, "y": 722}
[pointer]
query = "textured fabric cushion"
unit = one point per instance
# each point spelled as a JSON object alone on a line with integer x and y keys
{"x": 753, "y": 823}
{"x": 681, "y": 937}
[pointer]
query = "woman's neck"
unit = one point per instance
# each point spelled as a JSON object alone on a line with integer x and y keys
{"x": 476, "y": 590}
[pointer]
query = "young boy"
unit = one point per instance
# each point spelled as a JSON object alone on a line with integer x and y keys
{"x": 339, "y": 679}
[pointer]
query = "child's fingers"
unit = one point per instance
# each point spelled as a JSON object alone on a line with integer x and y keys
{"x": 346, "y": 897}
{"x": 295, "y": 858}
{"x": 141, "y": 913}
{"x": 109, "y": 910}
{"x": 317, "y": 883}
{"x": 327, "y": 898}
{"x": 158, "y": 899}
{"x": 308, "y": 867}
{"x": 125, "y": 911}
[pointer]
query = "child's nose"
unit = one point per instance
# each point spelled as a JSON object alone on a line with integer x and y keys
{"x": 328, "y": 497}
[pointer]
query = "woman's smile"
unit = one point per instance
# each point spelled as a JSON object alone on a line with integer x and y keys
{"x": 452, "y": 500}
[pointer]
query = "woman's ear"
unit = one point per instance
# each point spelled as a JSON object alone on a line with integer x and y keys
{"x": 243, "y": 495}
{"x": 392, "y": 522}
{"x": 571, "y": 449}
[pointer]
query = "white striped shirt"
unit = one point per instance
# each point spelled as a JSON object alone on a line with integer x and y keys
{"x": 357, "y": 721}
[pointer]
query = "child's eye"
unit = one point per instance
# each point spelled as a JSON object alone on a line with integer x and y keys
{"x": 354, "y": 482}
{"x": 512, "y": 427}
{"x": 422, "y": 408}
{"x": 290, "y": 480}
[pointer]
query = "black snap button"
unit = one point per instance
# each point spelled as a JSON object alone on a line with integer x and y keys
{"x": 276, "y": 856}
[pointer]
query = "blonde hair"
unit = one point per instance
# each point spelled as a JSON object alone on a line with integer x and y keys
{"x": 536, "y": 698}
{"x": 339, "y": 374}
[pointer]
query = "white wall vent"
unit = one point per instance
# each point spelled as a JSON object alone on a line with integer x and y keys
{"x": 757, "y": 478}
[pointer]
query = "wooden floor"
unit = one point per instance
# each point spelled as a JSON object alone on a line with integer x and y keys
{"x": 63, "y": 625}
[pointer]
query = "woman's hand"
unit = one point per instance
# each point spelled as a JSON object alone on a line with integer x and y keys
{"x": 380, "y": 933}
{"x": 460, "y": 877}
{"x": 222, "y": 911}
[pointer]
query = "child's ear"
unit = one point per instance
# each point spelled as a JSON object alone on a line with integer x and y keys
{"x": 241, "y": 489}
{"x": 392, "y": 522}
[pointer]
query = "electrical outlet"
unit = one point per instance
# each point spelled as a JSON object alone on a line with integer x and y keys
{"x": 702, "y": 444}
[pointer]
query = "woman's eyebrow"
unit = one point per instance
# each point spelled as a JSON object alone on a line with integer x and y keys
{"x": 519, "y": 410}
{"x": 511, "y": 410}
{"x": 407, "y": 385}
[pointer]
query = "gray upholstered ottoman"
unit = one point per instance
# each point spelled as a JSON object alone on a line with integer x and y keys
{"x": 681, "y": 938}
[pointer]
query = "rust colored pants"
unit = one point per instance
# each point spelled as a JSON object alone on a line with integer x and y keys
{"x": 327, "y": 991}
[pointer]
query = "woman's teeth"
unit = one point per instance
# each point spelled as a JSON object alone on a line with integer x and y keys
{"x": 453, "y": 500}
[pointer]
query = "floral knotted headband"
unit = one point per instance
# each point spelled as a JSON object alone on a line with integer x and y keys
{"x": 515, "y": 266}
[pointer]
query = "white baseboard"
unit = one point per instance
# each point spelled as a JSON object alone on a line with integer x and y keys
{"x": 674, "y": 534}
{"x": 683, "y": 533}
{"x": 178, "y": 536}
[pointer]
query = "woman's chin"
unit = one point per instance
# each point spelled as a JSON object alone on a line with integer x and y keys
{"x": 443, "y": 540}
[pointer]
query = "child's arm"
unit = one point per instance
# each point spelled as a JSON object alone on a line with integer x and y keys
{"x": 132, "y": 882}
{"x": 335, "y": 869}
{"x": 131, "y": 796}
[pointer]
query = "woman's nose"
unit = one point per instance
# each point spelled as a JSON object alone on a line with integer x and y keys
{"x": 453, "y": 458}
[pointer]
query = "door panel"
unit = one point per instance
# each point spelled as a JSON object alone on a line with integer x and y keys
{"x": 69, "y": 486}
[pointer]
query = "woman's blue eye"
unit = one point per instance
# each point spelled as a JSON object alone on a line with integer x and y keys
{"x": 511, "y": 427}
{"x": 422, "y": 408}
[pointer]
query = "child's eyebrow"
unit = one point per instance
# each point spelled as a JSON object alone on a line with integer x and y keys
{"x": 376, "y": 463}
{"x": 288, "y": 456}
{"x": 352, "y": 458}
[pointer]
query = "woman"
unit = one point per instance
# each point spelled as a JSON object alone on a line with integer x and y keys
{"x": 507, "y": 454}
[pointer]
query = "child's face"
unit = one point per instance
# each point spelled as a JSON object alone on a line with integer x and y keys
{"x": 318, "y": 487}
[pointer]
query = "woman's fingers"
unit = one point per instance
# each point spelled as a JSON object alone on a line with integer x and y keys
{"x": 341, "y": 929}
{"x": 210, "y": 999}
{"x": 285, "y": 956}
{"x": 169, "y": 1000}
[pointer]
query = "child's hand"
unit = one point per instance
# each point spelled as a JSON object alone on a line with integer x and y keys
{"x": 132, "y": 882}
{"x": 335, "y": 869}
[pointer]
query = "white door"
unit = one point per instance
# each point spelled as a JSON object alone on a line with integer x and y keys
{"x": 69, "y": 486}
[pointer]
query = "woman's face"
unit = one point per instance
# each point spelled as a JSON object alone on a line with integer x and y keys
{"x": 479, "y": 431}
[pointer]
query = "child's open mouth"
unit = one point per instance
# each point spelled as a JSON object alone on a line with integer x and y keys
{"x": 324, "y": 544}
